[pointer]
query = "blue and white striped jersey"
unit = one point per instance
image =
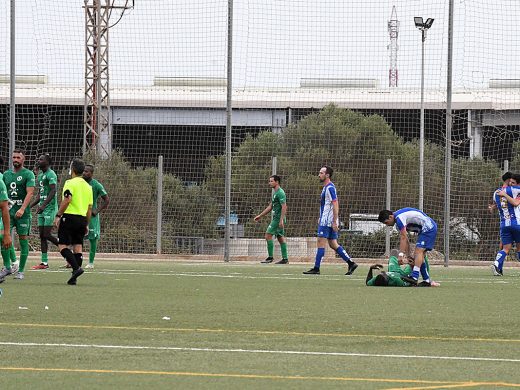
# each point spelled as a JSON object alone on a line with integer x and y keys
{"x": 413, "y": 220}
{"x": 328, "y": 196}
{"x": 509, "y": 214}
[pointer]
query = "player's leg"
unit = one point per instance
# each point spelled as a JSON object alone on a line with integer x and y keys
{"x": 418, "y": 262}
{"x": 12, "y": 252}
{"x": 92, "y": 252}
{"x": 44, "y": 245}
{"x": 516, "y": 240}
{"x": 323, "y": 233}
{"x": 65, "y": 239}
{"x": 24, "y": 254}
{"x": 425, "y": 274}
{"x": 5, "y": 257}
{"x": 506, "y": 238}
{"x": 77, "y": 234}
{"x": 94, "y": 230}
{"x": 270, "y": 232}
{"x": 283, "y": 247}
{"x": 48, "y": 221}
{"x": 425, "y": 242}
{"x": 78, "y": 253}
{"x": 23, "y": 230}
{"x": 333, "y": 243}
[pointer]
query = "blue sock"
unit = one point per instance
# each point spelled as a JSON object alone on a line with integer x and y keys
{"x": 415, "y": 272}
{"x": 320, "y": 252}
{"x": 343, "y": 254}
{"x": 424, "y": 273}
{"x": 499, "y": 260}
{"x": 518, "y": 256}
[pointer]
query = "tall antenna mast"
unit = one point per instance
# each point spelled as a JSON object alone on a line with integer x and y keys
{"x": 393, "y": 32}
{"x": 97, "y": 134}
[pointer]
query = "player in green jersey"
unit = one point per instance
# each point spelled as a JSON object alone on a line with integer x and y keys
{"x": 398, "y": 263}
{"x": 386, "y": 279}
{"x": 47, "y": 207}
{"x": 278, "y": 207}
{"x": 398, "y": 273}
{"x": 5, "y": 235}
{"x": 94, "y": 228}
{"x": 20, "y": 187}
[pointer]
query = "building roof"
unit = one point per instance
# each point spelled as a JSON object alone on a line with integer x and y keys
{"x": 272, "y": 98}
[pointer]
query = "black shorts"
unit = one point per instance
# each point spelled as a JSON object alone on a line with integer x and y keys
{"x": 72, "y": 229}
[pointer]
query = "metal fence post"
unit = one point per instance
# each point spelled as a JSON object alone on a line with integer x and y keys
{"x": 12, "y": 92}
{"x": 449, "y": 124}
{"x": 229, "y": 129}
{"x": 388, "y": 229}
{"x": 159, "y": 203}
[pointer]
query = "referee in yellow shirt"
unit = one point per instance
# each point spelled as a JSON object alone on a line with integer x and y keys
{"x": 73, "y": 218}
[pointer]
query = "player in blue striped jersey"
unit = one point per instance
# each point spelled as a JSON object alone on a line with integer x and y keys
{"x": 507, "y": 200}
{"x": 328, "y": 224}
{"x": 413, "y": 220}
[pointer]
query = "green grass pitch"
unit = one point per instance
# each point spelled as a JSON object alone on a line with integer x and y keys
{"x": 158, "y": 325}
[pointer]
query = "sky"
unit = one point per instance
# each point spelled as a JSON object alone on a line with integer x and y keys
{"x": 276, "y": 43}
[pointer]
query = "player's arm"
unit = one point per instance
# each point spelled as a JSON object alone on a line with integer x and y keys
{"x": 102, "y": 206}
{"x": 50, "y": 197}
{"x": 404, "y": 245}
{"x": 370, "y": 274}
{"x": 89, "y": 210}
{"x": 492, "y": 206}
{"x": 512, "y": 201}
{"x": 267, "y": 210}
{"x": 67, "y": 198}
{"x": 89, "y": 215}
{"x": 282, "y": 215}
{"x": 26, "y": 202}
{"x": 335, "y": 215}
{"x": 6, "y": 240}
{"x": 36, "y": 200}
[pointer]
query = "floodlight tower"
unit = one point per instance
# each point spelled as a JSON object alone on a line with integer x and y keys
{"x": 393, "y": 32}
{"x": 423, "y": 28}
{"x": 97, "y": 134}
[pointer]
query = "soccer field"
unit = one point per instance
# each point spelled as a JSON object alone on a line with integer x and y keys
{"x": 216, "y": 325}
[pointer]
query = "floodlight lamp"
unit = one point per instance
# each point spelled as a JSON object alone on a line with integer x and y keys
{"x": 428, "y": 23}
{"x": 418, "y": 21}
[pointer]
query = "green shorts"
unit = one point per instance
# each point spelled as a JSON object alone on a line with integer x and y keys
{"x": 94, "y": 228}
{"x": 274, "y": 230}
{"x": 22, "y": 225}
{"x": 46, "y": 218}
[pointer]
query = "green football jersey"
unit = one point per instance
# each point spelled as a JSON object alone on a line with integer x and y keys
{"x": 3, "y": 190}
{"x": 3, "y": 197}
{"x": 393, "y": 266}
{"x": 45, "y": 180}
{"x": 17, "y": 184}
{"x": 394, "y": 280}
{"x": 277, "y": 200}
{"x": 97, "y": 191}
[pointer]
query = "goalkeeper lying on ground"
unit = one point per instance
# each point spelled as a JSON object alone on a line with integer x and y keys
{"x": 396, "y": 276}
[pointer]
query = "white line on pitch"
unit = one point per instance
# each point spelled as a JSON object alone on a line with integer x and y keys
{"x": 259, "y": 351}
{"x": 279, "y": 277}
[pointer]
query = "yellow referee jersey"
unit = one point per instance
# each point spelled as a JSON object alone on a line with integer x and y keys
{"x": 81, "y": 196}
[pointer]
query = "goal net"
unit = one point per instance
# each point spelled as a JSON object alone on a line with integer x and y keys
{"x": 313, "y": 83}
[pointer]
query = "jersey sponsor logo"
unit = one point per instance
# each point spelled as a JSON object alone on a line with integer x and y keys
{"x": 19, "y": 178}
{"x": 13, "y": 188}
